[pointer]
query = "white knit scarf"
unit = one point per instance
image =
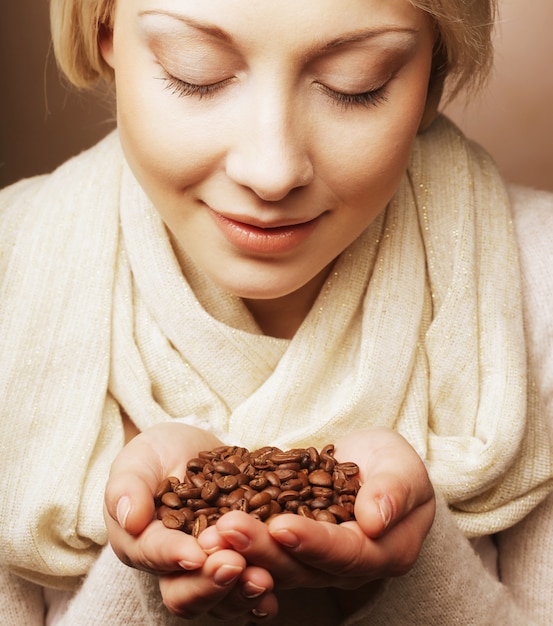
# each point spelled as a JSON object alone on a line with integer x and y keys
{"x": 419, "y": 328}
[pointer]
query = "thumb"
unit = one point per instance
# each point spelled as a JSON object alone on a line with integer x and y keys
{"x": 134, "y": 478}
{"x": 138, "y": 470}
{"x": 388, "y": 498}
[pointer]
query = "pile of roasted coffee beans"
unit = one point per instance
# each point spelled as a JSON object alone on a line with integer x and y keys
{"x": 263, "y": 483}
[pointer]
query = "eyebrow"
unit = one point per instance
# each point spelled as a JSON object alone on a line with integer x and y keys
{"x": 209, "y": 29}
{"x": 369, "y": 33}
{"x": 346, "y": 38}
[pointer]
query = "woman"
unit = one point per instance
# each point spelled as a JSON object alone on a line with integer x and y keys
{"x": 289, "y": 249}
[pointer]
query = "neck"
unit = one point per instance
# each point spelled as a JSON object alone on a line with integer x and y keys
{"x": 281, "y": 317}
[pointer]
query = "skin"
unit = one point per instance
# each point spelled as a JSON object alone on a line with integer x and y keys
{"x": 278, "y": 134}
{"x": 241, "y": 556}
{"x": 266, "y": 156}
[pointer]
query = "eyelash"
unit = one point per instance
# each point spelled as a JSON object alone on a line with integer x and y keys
{"x": 373, "y": 98}
{"x": 181, "y": 89}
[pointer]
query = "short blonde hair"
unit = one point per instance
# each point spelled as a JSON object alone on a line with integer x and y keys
{"x": 464, "y": 48}
{"x": 462, "y": 54}
{"x": 76, "y": 26}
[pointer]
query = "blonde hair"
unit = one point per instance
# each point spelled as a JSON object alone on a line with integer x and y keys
{"x": 462, "y": 54}
{"x": 76, "y": 26}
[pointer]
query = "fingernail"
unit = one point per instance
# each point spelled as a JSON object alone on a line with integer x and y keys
{"x": 237, "y": 540}
{"x": 251, "y": 590}
{"x": 226, "y": 574}
{"x": 286, "y": 538}
{"x": 385, "y": 508}
{"x": 189, "y": 565}
{"x": 257, "y": 613}
{"x": 123, "y": 510}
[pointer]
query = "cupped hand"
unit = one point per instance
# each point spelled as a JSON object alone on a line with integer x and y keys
{"x": 224, "y": 587}
{"x": 191, "y": 581}
{"x": 129, "y": 505}
{"x": 394, "y": 511}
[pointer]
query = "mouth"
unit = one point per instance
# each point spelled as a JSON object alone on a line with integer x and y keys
{"x": 267, "y": 239}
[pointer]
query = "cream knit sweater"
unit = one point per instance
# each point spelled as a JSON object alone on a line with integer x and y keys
{"x": 509, "y": 583}
{"x": 449, "y": 584}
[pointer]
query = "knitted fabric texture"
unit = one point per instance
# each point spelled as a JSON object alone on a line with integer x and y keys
{"x": 418, "y": 328}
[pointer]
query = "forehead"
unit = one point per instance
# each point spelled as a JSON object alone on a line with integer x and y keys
{"x": 300, "y": 23}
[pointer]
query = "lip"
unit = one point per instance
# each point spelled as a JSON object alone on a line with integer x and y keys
{"x": 265, "y": 240}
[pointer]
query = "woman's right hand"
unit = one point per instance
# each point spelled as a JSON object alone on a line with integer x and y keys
{"x": 192, "y": 581}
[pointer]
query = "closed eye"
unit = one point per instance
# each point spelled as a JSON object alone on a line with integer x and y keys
{"x": 182, "y": 88}
{"x": 374, "y": 97}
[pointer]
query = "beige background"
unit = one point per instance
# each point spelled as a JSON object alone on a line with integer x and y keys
{"x": 42, "y": 122}
{"x": 514, "y": 117}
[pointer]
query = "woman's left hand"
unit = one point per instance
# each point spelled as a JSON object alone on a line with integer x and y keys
{"x": 394, "y": 511}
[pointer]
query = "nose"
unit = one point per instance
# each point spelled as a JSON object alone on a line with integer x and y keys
{"x": 270, "y": 153}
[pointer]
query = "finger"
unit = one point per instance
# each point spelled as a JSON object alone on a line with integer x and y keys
{"x": 129, "y": 495}
{"x": 157, "y": 549}
{"x": 401, "y": 545}
{"x": 143, "y": 464}
{"x": 253, "y": 540}
{"x": 333, "y": 549}
{"x": 387, "y": 498}
{"x": 252, "y": 594}
{"x": 393, "y": 476}
{"x": 211, "y": 541}
{"x": 191, "y": 594}
{"x": 346, "y": 554}
{"x": 266, "y": 609}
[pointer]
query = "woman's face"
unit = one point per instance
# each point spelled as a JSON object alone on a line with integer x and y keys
{"x": 269, "y": 134}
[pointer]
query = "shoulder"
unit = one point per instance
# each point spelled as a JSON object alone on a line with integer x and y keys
{"x": 533, "y": 220}
{"x": 85, "y": 172}
{"x": 75, "y": 194}
{"x": 532, "y": 213}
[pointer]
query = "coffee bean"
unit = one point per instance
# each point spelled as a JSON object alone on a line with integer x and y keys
{"x": 200, "y": 524}
{"x": 305, "y": 511}
{"x": 320, "y": 478}
{"x": 240, "y": 505}
{"x": 340, "y": 513}
{"x": 273, "y": 491}
{"x": 349, "y": 469}
{"x": 272, "y": 478}
{"x": 260, "y": 499}
{"x": 196, "y": 464}
{"x": 225, "y": 467}
{"x": 227, "y": 483}
{"x": 163, "y": 488}
{"x": 287, "y": 495}
{"x": 210, "y": 492}
{"x": 186, "y": 492}
{"x": 322, "y": 492}
{"x": 259, "y": 482}
{"x": 285, "y": 474}
{"x": 234, "y": 496}
{"x": 322, "y": 515}
{"x": 198, "y": 480}
{"x": 319, "y": 503}
{"x": 174, "y": 519}
{"x": 261, "y": 512}
{"x": 171, "y": 500}
{"x": 294, "y": 483}
{"x": 281, "y": 458}
{"x": 265, "y": 483}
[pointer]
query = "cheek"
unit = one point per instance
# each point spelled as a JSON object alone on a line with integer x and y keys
{"x": 369, "y": 167}
{"x": 370, "y": 160}
{"x": 162, "y": 146}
